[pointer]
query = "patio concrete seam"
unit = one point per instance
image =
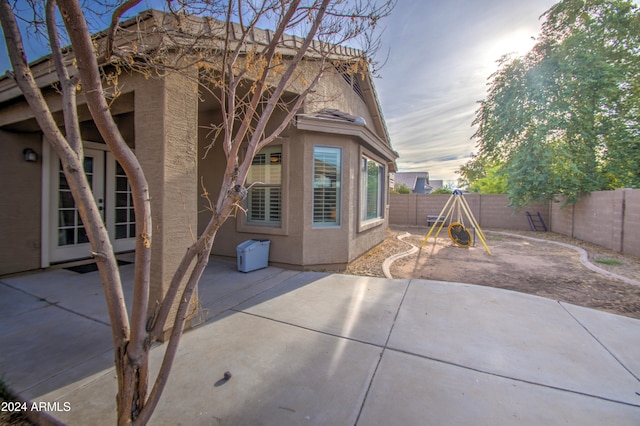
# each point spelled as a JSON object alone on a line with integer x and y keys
{"x": 515, "y": 379}
{"x": 386, "y": 343}
{"x": 230, "y": 296}
{"x": 598, "y": 340}
{"x": 57, "y": 305}
{"x": 313, "y": 330}
{"x": 584, "y": 257}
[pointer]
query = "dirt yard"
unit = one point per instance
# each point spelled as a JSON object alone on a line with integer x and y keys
{"x": 518, "y": 264}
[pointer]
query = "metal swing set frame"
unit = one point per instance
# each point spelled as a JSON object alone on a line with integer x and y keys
{"x": 458, "y": 233}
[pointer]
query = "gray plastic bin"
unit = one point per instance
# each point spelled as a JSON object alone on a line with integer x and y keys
{"x": 252, "y": 255}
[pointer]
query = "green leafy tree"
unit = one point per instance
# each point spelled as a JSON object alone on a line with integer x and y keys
{"x": 441, "y": 191}
{"x": 401, "y": 189}
{"x": 564, "y": 119}
{"x": 493, "y": 182}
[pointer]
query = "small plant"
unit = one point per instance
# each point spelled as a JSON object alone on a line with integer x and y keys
{"x": 401, "y": 189}
{"x": 441, "y": 191}
{"x": 612, "y": 262}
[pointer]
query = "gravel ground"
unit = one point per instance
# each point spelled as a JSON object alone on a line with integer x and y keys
{"x": 370, "y": 264}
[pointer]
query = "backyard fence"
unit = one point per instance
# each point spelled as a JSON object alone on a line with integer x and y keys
{"x": 609, "y": 219}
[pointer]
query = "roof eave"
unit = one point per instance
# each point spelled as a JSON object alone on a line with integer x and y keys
{"x": 370, "y": 139}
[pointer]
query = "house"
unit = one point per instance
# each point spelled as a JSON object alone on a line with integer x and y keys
{"x": 417, "y": 182}
{"x": 320, "y": 193}
{"x": 436, "y": 184}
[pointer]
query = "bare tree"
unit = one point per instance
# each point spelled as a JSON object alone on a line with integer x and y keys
{"x": 249, "y": 78}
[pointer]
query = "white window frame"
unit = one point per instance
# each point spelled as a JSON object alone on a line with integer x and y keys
{"x": 258, "y": 181}
{"x": 317, "y": 181}
{"x": 366, "y": 219}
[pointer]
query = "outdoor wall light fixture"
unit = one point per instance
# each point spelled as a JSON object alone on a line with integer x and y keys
{"x": 29, "y": 155}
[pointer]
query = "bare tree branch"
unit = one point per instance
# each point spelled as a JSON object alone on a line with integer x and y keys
{"x": 115, "y": 19}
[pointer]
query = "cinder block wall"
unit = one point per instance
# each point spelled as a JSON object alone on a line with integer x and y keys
{"x": 562, "y": 215}
{"x": 491, "y": 211}
{"x": 609, "y": 219}
{"x": 593, "y": 219}
{"x": 631, "y": 222}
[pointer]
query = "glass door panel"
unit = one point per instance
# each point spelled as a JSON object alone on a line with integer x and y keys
{"x": 120, "y": 220}
{"x": 69, "y": 238}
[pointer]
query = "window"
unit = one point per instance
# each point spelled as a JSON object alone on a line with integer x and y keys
{"x": 372, "y": 190}
{"x": 264, "y": 200}
{"x": 70, "y": 227}
{"x": 326, "y": 186}
{"x": 125, "y": 220}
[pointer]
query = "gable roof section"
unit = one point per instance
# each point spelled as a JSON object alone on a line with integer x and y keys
{"x": 410, "y": 178}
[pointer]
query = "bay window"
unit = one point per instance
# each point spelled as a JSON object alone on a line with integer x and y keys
{"x": 371, "y": 190}
{"x": 326, "y": 185}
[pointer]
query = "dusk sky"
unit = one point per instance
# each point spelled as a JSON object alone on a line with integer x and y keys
{"x": 440, "y": 54}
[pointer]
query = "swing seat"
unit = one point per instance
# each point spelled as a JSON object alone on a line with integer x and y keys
{"x": 460, "y": 235}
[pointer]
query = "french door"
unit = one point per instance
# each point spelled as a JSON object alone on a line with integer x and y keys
{"x": 67, "y": 234}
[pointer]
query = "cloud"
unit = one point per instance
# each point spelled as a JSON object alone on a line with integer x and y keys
{"x": 440, "y": 57}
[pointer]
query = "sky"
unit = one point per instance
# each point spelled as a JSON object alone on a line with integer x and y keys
{"x": 438, "y": 56}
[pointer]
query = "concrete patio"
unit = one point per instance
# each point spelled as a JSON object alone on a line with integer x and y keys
{"x": 329, "y": 349}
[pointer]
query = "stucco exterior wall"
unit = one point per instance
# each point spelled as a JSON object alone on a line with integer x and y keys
{"x": 20, "y": 209}
{"x": 166, "y": 122}
{"x": 160, "y": 118}
{"x": 334, "y": 92}
{"x": 298, "y": 244}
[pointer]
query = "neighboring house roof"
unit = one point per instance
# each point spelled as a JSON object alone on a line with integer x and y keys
{"x": 410, "y": 179}
{"x": 437, "y": 183}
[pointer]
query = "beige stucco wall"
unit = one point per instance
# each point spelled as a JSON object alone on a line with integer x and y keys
{"x": 336, "y": 93}
{"x": 166, "y": 120}
{"x": 20, "y": 210}
{"x": 298, "y": 244}
{"x": 164, "y": 130}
